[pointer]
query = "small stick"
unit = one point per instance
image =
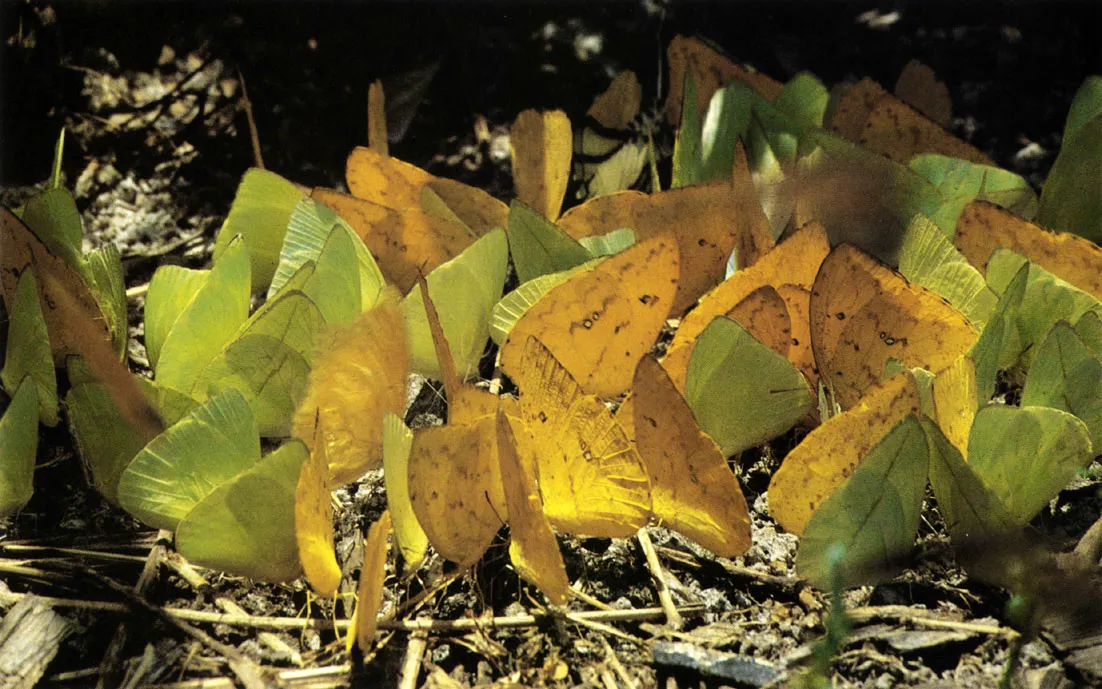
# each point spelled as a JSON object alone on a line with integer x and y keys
{"x": 183, "y": 569}
{"x": 495, "y": 380}
{"x": 589, "y": 600}
{"x": 137, "y": 672}
{"x": 679, "y": 556}
{"x": 20, "y": 568}
{"x": 269, "y": 639}
{"x": 411, "y": 667}
{"x": 176, "y": 89}
{"x": 926, "y": 618}
{"x": 608, "y": 680}
{"x": 673, "y": 618}
{"x": 246, "y": 671}
{"x": 253, "y": 135}
{"x": 294, "y": 623}
{"x": 72, "y": 675}
{"x": 334, "y": 676}
{"x": 605, "y": 629}
{"x": 140, "y": 542}
{"x": 154, "y": 255}
{"x": 618, "y": 667}
{"x": 420, "y": 598}
{"x": 781, "y": 582}
{"x": 110, "y": 666}
{"x": 76, "y": 553}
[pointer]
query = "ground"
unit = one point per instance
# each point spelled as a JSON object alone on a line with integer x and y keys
{"x": 151, "y": 95}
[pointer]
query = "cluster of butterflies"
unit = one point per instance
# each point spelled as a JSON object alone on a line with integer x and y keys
{"x": 776, "y": 328}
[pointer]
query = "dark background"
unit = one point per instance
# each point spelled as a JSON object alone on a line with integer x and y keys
{"x": 1012, "y": 68}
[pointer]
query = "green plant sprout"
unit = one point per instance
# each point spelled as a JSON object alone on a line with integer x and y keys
{"x": 838, "y": 625}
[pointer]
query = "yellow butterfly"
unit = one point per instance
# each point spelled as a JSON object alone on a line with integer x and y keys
{"x": 693, "y": 490}
{"x": 863, "y": 313}
{"x": 592, "y": 480}
{"x": 601, "y": 321}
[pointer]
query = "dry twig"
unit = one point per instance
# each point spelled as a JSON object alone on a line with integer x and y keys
{"x": 673, "y": 618}
{"x": 411, "y": 667}
{"x": 790, "y": 584}
{"x": 318, "y": 623}
{"x": 247, "y": 105}
{"x": 618, "y": 667}
{"x": 111, "y": 665}
{"x": 926, "y": 618}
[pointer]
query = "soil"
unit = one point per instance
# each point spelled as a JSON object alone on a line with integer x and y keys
{"x": 151, "y": 97}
